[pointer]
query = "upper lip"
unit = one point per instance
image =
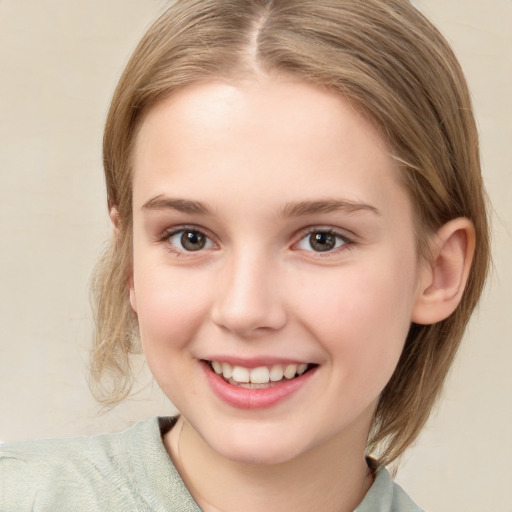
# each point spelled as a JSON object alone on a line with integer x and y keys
{"x": 254, "y": 362}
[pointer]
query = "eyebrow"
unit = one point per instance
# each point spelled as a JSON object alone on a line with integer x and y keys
{"x": 293, "y": 209}
{"x": 297, "y": 209}
{"x": 182, "y": 205}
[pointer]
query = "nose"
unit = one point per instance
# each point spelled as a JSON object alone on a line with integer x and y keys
{"x": 248, "y": 301}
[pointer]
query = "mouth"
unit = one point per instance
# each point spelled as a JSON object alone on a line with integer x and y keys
{"x": 260, "y": 377}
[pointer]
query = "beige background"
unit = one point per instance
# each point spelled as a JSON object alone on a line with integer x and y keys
{"x": 59, "y": 62}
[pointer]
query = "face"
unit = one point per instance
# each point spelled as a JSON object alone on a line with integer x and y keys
{"x": 274, "y": 267}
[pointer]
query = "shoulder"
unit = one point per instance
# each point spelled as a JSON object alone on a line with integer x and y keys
{"x": 387, "y": 496}
{"x": 83, "y": 472}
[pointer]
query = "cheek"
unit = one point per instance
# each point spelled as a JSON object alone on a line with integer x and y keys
{"x": 171, "y": 306}
{"x": 362, "y": 321}
{"x": 170, "y": 312}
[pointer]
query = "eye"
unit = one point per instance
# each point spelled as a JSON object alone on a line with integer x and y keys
{"x": 190, "y": 240}
{"x": 322, "y": 241}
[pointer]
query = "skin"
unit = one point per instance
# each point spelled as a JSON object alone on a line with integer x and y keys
{"x": 249, "y": 152}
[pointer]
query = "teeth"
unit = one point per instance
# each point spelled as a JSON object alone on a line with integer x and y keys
{"x": 227, "y": 370}
{"x": 290, "y": 371}
{"x": 259, "y": 375}
{"x": 276, "y": 373}
{"x": 301, "y": 368}
{"x": 240, "y": 374}
{"x": 217, "y": 367}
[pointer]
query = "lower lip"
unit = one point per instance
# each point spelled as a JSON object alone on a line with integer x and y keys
{"x": 246, "y": 398}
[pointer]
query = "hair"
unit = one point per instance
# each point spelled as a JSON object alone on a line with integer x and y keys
{"x": 393, "y": 65}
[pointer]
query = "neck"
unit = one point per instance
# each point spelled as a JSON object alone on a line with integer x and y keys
{"x": 333, "y": 477}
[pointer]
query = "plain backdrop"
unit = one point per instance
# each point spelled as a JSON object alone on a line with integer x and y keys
{"x": 59, "y": 63}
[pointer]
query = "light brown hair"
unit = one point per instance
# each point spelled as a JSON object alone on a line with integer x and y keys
{"x": 394, "y": 66}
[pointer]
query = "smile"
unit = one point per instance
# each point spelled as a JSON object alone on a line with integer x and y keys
{"x": 259, "y": 377}
{"x": 258, "y": 387}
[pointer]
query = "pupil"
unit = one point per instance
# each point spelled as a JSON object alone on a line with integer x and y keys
{"x": 192, "y": 240}
{"x": 322, "y": 241}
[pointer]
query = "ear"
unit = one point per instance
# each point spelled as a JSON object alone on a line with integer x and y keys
{"x": 133, "y": 300}
{"x": 443, "y": 278}
{"x": 115, "y": 219}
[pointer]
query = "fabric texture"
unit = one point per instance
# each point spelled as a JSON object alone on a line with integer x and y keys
{"x": 126, "y": 472}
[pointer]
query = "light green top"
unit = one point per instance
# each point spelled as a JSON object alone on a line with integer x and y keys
{"x": 130, "y": 471}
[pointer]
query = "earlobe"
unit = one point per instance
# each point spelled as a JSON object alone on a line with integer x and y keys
{"x": 115, "y": 219}
{"x": 133, "y": 300}
{"x": 443, "y": 278}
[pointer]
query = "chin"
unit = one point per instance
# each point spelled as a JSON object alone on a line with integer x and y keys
{"x": 259, "y": 455}
{"x": 257, "y": 448}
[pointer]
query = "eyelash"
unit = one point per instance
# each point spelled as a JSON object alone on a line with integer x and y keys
{"x": 345, "y": 244}
{"x": 167, "y": 235}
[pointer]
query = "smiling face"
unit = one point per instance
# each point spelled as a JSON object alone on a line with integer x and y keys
{"x": 273, "y": 244}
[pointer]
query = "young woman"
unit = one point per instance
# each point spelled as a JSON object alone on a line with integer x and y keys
{"x": 300, "y": 239}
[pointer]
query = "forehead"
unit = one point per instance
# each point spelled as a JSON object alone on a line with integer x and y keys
{"x": 248, "y": 139}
